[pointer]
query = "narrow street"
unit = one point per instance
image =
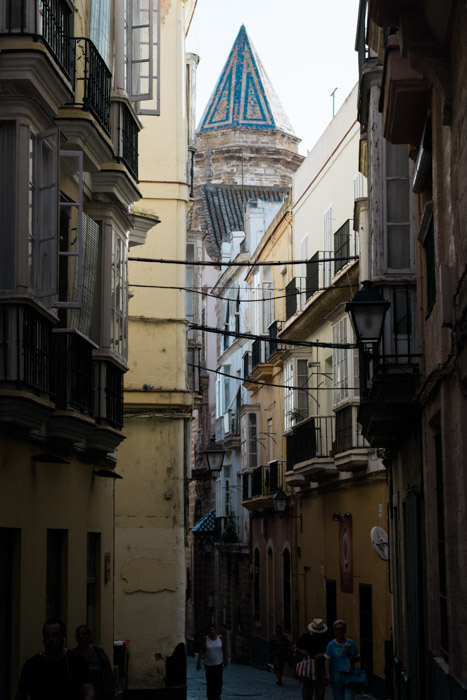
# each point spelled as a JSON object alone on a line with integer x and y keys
{"x": 246, "y": 682}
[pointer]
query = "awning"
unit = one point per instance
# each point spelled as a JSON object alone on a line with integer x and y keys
{"x": 207, "y": 523}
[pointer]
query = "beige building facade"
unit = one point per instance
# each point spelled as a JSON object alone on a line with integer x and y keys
{"x": 150, "y": 585}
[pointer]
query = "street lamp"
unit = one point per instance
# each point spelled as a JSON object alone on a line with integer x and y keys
{"x": 280, "y": 501}
{"x": 367, "y": 311}
{"x": 214, "y": 455}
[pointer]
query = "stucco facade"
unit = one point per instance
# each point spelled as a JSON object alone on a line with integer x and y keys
{"x": 150, "y": 585}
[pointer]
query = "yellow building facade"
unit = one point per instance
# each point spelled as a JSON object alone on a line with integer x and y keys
{"x": 149, "y": 521}
{"x": 68, "y": 176}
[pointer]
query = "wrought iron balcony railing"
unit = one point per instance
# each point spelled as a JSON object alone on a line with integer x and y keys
{"x": 320, "y": 270}
{"x": 74, "y": 372}
{"x": 50, "y": 21}
{"x": 129, "y": 140}
{"x": 273, "y": 345}
{"x": 345, "y": 245}
{"x": 26, "y": 349}
{"x": 92, "y": 80}
{"x": 108, "y": 393}
{"x": 263, "y": 481}
{"x": 348, "y": 430}
{"x": 313, "y": 437}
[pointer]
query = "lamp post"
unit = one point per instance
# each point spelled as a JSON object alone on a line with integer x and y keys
{"x": 214, "y": 455}
{"x": 279, "y": 501}
{"x": 367, "y": 311}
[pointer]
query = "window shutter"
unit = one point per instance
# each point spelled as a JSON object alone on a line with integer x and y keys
{"x": 47, "y": 177}
{"x": 81, "y": 318}
{"x": 70, "y": 254}
{"x": 143, "y": 54}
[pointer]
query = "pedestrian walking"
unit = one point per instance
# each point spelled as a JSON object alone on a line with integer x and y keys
{"x": 341, "y": 655}
{"x": 214, "y": 652}
{"x": 97, "y": 661}
{"x": 279, "y": 649}
{"x": 313, "y": 644}
{"x": 56, "y": 673}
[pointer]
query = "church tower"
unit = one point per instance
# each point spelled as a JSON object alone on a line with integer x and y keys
{"x": 245, "y": 137}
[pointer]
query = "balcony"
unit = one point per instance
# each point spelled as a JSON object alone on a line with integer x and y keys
{"x": 350, "y": 447}
{"x": 27, "y": 381}
{"x": 261, "y": 369}
{"x": 85, "y": 120}
{"x": 125, "y": 129}
{"x": 35, "y": 45}
{"x": 320, "y": 270}
{"x": 274, "y": 348}
{"x": 310, "y": 450}
{"x": 227, "y": 429}
{"x": 345, "y": 245}
{"x": 108, "y": 407}
{"x": 261, "y": 484}
{"x": 389, "y": 375}
{"x": 73, "y": 418}
{"x": 406, "y": 97}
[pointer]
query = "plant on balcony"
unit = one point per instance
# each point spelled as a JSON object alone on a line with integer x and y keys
{"x": 296, "y": 415}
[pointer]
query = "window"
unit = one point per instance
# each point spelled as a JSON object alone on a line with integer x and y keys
{"x": 398, "y": 212}
{"x": 296, "y": 400}
{"x": 328, "y": 226}
{"x": 142, "y": 24}
{"x": 366, "y": 626}
{"x": 9, "y": 585}
{"x": 70, "y": 256}
{"x": 257, "y": 586}
{"x": 42, "y": 209}
{"x": 426, "y": 237}
{"x": 81, "y": 318}
{"x": 286, "y": 588}
{"x": 99, "y": 27}
{"x": 442, "y": 579}
{"x": 270, "y": 440}
{"x": 92, "y": 582}
{"x": 119, "y": 294}
{"x": 7, "y": 203}
{"x": 252, "y": 440}
{"x": 190, "y": 256}
{"x": 340, "y": 362}
{"x": 56, "y": 568}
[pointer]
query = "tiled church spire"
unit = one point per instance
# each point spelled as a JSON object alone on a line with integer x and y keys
{"x": 244, "y": 97}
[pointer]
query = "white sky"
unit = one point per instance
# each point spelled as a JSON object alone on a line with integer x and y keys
{"x": 305, "y": 46}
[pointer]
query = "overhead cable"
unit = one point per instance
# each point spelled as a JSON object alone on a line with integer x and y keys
{"x": 307, "y": 389}
{"x": 278, "y": 341}
{"x": 249, "y": 263}
{"x": 203, "y": 292}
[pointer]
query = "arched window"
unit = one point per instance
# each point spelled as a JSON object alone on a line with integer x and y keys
{"x": 286, "y": 590}
{"x": 257, "y": 586}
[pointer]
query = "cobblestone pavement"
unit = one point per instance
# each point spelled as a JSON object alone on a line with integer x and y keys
{"x": 247, "y": 682}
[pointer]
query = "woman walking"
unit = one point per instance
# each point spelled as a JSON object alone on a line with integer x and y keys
{"x": 98, "y": 663}
{"x": 341, "y": 655}
{"x": 214, "y": 652}
{"x": 280, "y": 646}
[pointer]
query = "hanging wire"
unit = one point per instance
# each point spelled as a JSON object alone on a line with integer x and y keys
{"x": 279, "y": 386}
{"x": 201, "y": 291}
{"x": 250, "y": 263}
{"x": 278, "y": 341}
